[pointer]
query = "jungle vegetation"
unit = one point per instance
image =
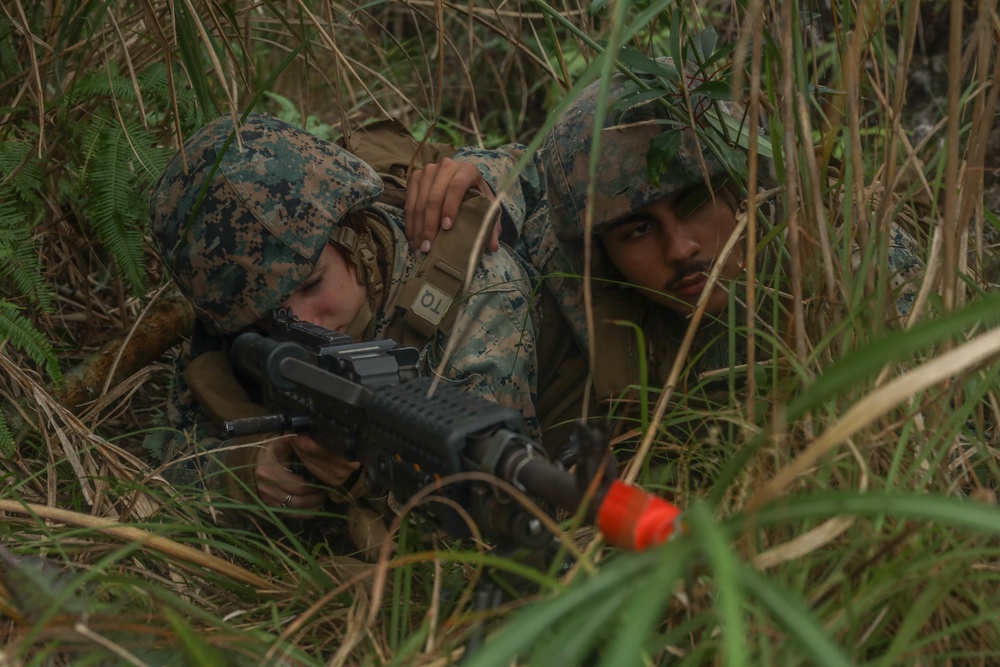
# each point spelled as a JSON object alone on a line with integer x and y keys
{"x": 840, "y": 500}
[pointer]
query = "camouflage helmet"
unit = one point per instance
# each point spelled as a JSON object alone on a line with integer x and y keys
{"x": 242, "y": 227}
{"x": 624, "y": 186}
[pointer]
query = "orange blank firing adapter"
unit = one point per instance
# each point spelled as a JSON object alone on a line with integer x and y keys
{"x": 635, "y": 520}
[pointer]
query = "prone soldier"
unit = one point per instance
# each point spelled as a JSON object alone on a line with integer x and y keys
{"x": 654, "y": 238}
{"x": 264, "y": 216}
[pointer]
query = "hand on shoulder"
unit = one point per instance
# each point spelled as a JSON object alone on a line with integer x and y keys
{"x": 433, "y": 196}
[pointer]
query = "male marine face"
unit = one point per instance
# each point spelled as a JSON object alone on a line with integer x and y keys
{"x": 668, "y": 248}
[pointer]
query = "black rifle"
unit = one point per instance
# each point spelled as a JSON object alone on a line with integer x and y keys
{"x": 365, "y": 403}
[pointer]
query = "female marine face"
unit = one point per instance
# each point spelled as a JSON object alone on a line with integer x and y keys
{"x": 331, "y": 296}
{"x": 668, "y": 248}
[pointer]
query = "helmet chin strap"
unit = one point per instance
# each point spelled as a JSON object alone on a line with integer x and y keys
{"x": 359, "y": 325}
{"x": 359, "y": 250}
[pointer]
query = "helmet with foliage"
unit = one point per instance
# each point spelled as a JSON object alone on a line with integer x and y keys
{"x": 649, "y": 148}
{"x": 240, "y": 219}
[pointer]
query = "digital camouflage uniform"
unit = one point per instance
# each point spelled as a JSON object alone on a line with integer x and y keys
{"x": 241, "y": 236}
{"x": 553, "y": 193}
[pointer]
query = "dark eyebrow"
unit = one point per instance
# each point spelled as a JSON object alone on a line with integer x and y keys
{"x": 637, "y": 216}
{"x": 681, "y": 202}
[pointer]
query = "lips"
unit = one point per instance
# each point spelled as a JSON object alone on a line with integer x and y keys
{"x": 692, "y": 285}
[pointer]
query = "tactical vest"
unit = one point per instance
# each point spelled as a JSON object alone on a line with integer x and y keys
{"x": 563, "y": 380}
{"x": 426, "y": 298}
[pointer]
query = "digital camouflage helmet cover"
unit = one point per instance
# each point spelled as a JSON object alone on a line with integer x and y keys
{"x": 243, "y": 226}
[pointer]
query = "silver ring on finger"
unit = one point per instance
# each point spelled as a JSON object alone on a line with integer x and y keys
{"x": 286, "y": 501}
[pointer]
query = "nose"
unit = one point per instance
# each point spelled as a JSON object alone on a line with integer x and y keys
{"x": 301, "y": 309}
{"x": 679, "y": 243}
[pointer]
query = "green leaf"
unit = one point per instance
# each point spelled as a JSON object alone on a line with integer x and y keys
{"x": 945, "y": 510}
{"x": 716, "y": 90}
{"x": 580, "y": 632}
{"x": 801, "y": 623}
{"x": 992, "y": 218}
{"x": 189, "y": 40}
{"x": 916, "y": 618}
{"x": 198, "y": 653}
{"x": 39, "y": 588}
{"x": 15, "y": 328}
{"x": 640, "y": 341}
{"x": 643, "y": 611}
{"x": 627, "y": 101}
{"x": 660, "y": 155}
{"x": 719, "y": 554}
{"x": 641, "y": 64}
{"x": 519, "y": 635}
{"x": 736, "y": 128}
{"x": 702, "y": 44}
{"x": 864, "y": 362}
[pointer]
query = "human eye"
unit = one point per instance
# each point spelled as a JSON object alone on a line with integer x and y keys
{"x": 627, "y": 230}
{"x": 636, "y": 230}
{"x": 311, "y": 284}
{"x": 632, "y": 229}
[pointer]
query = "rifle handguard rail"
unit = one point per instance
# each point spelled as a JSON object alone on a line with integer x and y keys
{"x": 360, "y": 401}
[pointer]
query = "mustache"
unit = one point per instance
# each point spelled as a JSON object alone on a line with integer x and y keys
{"x": 688, "y": 270}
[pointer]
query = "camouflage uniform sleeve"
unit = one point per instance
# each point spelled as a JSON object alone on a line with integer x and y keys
{"x": 495, "y": 355}
{"x": 526, "y": 195}
{"x": 536, "y": 240}
{"x": 188, "y": 435}
{"x": 191, "y": 453}
{"x": 905, "y": 268}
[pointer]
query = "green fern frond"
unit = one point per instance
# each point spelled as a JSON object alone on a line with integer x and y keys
{"x": 91, "y": 142}
{"x": 9, "y": 66}
{"x": 104, "y": 82}
{"x": 154, "y": 85}
{"x": 20, "y": 166}
{"x": 153, "y": 81}
{"x": 150, "y": 159}
{"x": 19, "y": 262}
{"x": 20, "y": 210}
{"x": 7, "y": 446}
{"x": 16, "y": 328}
{"x": 115, "y": 198}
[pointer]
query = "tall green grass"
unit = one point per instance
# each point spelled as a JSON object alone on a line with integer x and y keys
{"x": 840, "y": 498}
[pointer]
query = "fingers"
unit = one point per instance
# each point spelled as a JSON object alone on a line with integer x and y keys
{"x": 433, "y": 195}
{"x": 309, "y": 502}
{"x": 328, "y": 468}
{"x": 277, "y": 486}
